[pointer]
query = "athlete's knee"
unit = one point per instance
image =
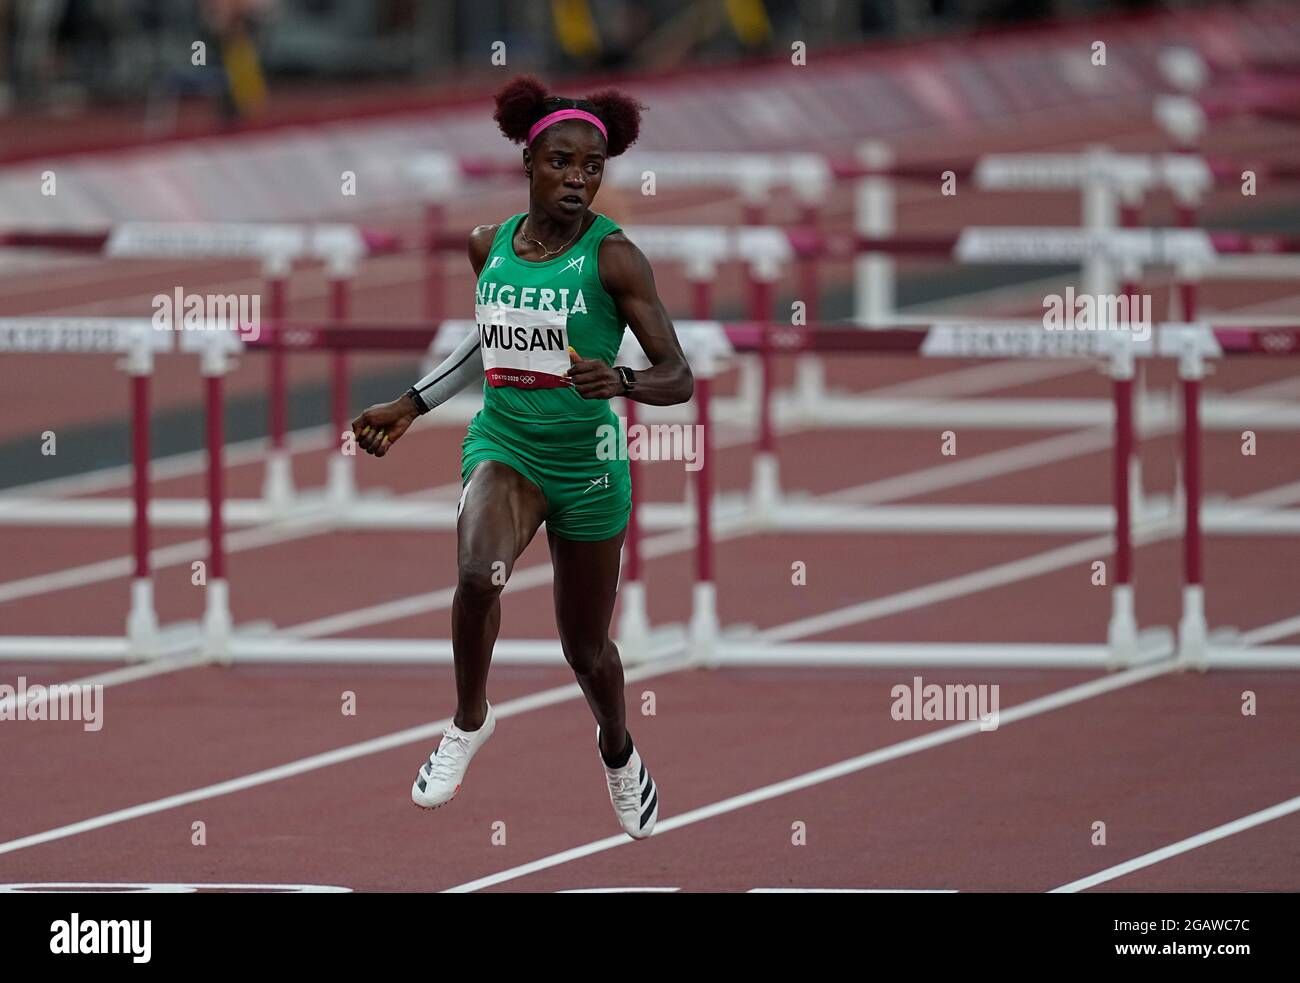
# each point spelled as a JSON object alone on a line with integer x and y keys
{"x": 480, "y": 581}
{"x": 587, "y": 655}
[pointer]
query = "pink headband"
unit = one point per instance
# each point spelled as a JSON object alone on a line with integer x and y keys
{"x": 560, "y": 114}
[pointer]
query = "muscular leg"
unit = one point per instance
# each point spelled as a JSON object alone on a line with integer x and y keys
{"x": 586, "y": 581}
{"x": 501, "y": 513}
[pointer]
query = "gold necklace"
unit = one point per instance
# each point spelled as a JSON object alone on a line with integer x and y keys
{"x": 548, "y": 252}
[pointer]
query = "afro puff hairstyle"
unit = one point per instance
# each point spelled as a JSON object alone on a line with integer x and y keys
{"x": 523, "y": 100}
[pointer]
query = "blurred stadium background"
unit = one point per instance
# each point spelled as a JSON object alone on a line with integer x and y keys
{"x": 63, "y": 57}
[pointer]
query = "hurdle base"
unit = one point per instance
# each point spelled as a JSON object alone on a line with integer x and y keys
{"x": 217, "y": 623}
{"x": 247, "y": 645}
{"x": 809, "y": 389}
{"x": 173, "y": 639}
{"x": 633, "y": 635}
{"x": 142, "y": 622}
{"x": 1121, "y": 632}
{"x": 277, "y": 484}
{"x": 1226, "y": 649}
{"x": 765, "y": 493}
{"x": 705, "y": 627}
{"x": 1192, "y": 632}
{"x": 756, "y": 652}
{"x": 341, "y": 484}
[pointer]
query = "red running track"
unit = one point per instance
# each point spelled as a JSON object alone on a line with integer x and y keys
{"x": 1157, "y": 760}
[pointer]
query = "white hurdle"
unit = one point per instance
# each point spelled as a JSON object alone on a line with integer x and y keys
{"x": 276, "y": 248}
{"x": 137, "y": 341}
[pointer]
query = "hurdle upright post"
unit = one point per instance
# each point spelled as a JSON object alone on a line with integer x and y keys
{"x": 1131, "y": 270}
{"x": 277, "y": 486}
{"x": 1100, "y": 205}
{"x": 1187, "y": 277}
{"x": 700, "y": 273}
{"x": 142, "y": 620}
{"x": 810, "y": 375}
{"x": 1121, "y": 633}
{"x": 873, "y": 272}
{"x": 766, "y": 491}
{"x": 633, "y": 620}
{"x": 341, "y": 479}
{"x": 1192, "y": 631}
{"x": 438, "y": 175}
{"x": 217, "y": 621}
{"x": 704, "y": 626}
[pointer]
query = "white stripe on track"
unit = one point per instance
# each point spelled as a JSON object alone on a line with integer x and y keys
{"x": 350, "y": 752}
{"x": 992, "y": 464}
{"x": 1043, "y": 704}
{"x": 852, "y": 890}
{"x": 1182, "y": 846}
{"x": 1271, "y": 633}
{"x": 1024, "y": 568}
{"x": 849, "y": 766}
{"x": 114, "y": 677}
{"x": 188, "y": 463}
{"x": 257, "y": 536}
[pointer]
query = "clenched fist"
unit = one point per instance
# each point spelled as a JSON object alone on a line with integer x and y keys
{"x": 379, "y": 427}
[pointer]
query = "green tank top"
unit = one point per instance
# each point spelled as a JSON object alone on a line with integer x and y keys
{"x": 530, "y": 313}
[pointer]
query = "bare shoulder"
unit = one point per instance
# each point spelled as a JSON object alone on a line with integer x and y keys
{"x": 480, "y": 244}
{"x": 621, "y": 262}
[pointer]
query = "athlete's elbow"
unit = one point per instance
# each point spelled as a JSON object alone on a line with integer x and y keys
{"x": 686, "y": 383}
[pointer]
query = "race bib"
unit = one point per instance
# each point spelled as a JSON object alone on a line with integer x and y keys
{"x": 523, "y": 349}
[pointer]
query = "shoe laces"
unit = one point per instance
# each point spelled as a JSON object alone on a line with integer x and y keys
{"x": 625, "y": 788}
{"x": 443, "y": 762}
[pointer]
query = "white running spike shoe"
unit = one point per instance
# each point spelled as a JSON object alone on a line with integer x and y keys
{"x": 633, "y": 794}
{"x": 441, "y": 775}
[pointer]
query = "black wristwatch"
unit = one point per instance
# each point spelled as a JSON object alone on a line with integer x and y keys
{"x": 628, "y": 377}
{"x": 421, "y": 407}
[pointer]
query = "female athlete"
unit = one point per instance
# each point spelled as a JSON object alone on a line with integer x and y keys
{"x": 556, "y": 286}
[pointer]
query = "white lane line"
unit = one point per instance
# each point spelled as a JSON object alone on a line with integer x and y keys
{"x": 1271, "y": 633}
{"x": 974, "y": 582}
{"x": 1024, "y": 568}
{"x": 350, "y": 752}
{"x": 619, "y": 890}
{"x": 932, "y": 478}
{"x": 975, "y": 379}
{"x": 851, "y": 890}
{"x": 665, "y": 544}
{"x": 1182, "y": 846}
{"x": 257, "y": 536}
{"x": 82, "y": 887}
{"x": 527, "y": 577}
{"x": 993, "y": 464}
{"x": 347, "y": 753}
{"x": 535, "y": 576}
{"x": 236, "y": 454}
{"x": 161, "y": 558}
{"x": 128, "y": 674}
{"x": 962, "y": 585}
{"x": 849, "y": 766}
